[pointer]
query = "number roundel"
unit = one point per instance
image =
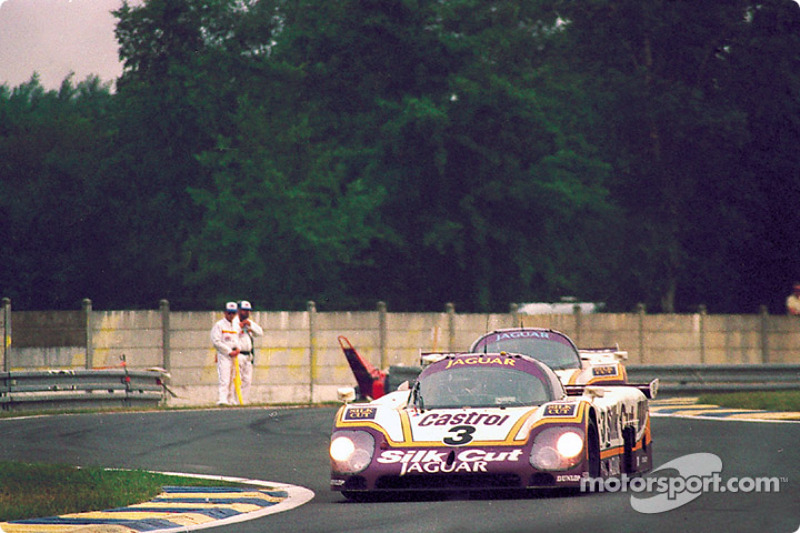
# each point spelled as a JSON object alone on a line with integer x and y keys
{"x": 461, "y": 435}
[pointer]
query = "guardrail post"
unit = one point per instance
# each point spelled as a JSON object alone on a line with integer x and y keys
{"x": 513, "y": 310}
{"x": 87, "y": 311}
{"x": 6, "y": 334}
{"x": 701, "y": 310}
{"x": 165, "y": 339}
{"x": 765, "y": 355}
{"x": 641, "y": 309}
{"x": 311, "y": 308}
{"x": 450, "y": 309}
{"x": 383, "y": 334}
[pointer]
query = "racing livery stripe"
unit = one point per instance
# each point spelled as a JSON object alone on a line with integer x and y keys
{"x": 405, "y": 423}
{"x": 604, "y": 379}
{"x": 611, "y": 452}
{"x": 510, "y": 438}
{"x": 620, "y": 450}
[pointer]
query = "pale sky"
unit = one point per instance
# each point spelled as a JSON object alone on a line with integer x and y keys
{"x": 54, "y": 37}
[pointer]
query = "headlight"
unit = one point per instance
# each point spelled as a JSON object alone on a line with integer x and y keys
{"x": 351, "y": 451}
{"x": 569, "y": 444}
{"x": 342, "y": 449}
{"x": 557, "y": 449}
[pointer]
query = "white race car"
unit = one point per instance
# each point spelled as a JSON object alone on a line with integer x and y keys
{"x": 589, "y": 366}
{"x": 489, "y": 420}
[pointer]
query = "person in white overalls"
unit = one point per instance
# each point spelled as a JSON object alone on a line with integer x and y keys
{"x": 247, "y": 330}
{"x": 225, "y": 338}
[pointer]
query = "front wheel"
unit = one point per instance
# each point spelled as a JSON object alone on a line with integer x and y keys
{"x": 593, "y": 444}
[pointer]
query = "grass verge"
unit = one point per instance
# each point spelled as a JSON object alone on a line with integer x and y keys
{"x": 769, "y": 401}
{"x": 40, "y": 490}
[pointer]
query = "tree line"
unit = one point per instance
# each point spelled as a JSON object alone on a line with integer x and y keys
{"x": 416, "y": 152}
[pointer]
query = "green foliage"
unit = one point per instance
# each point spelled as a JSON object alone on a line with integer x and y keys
{"x": 274, "y": 240}
{"x": 664, "y": 79}
{"x": 48, "y": 195}
{"x": 416, "y": 152}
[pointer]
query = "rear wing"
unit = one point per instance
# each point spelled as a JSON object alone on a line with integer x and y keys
{"x": 427, "y": 358}
{"x": 604, "y": 354}
{"x": 650, "y": 390}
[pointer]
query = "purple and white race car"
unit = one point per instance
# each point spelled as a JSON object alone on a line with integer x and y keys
{"x": 487, "y": 421}
{"x": 574, "y": 366}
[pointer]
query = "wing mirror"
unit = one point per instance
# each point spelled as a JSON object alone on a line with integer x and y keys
{"x": 346, "y": 394}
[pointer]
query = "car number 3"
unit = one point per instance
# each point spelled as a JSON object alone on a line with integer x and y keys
{"x": 462, "y": 435}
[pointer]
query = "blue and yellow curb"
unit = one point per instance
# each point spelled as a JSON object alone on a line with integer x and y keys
{"x": 689, "y": 408}
{"x": 176, "y": 509}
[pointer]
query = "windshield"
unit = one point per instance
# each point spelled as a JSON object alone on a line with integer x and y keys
{"x": 482, "y": 387}
{"x": 549, "y": 347}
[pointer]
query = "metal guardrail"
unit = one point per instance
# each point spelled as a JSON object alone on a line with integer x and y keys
{"x": 683, "y": 379}
{"x": 697, "y": 379}
{"x": 65, "y": 389}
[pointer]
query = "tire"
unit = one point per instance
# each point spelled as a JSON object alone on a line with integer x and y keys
{"x": 593, "y": 443}
{"x": 628, "y": 438}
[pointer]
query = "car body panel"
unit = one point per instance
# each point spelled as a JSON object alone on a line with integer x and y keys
{"x": 513, "y": 440}
{"x": 574, "y": 366}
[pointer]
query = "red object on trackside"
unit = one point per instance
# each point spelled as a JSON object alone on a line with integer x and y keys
{"x": 371, "y": 381}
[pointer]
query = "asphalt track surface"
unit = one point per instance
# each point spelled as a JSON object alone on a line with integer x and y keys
{"x": 290, "y": 446}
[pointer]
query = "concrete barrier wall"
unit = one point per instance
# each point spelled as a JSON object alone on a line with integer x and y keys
{"x": 299, "y": 359}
